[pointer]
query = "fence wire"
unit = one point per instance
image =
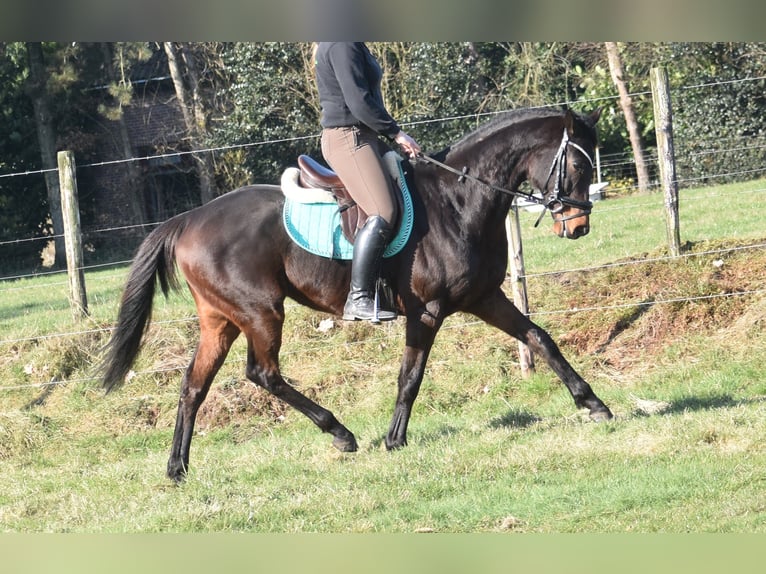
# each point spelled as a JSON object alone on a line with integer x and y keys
{"x": 615, "y": 162}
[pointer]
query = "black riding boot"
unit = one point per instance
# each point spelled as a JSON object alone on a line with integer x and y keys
{"x": 370, "y": 243}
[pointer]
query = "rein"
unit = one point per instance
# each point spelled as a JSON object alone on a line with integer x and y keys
{"x": 555, "y": 202}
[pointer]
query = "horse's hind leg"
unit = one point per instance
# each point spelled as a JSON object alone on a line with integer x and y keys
{"x": 499, "y": 312}
{"x": 263, "y": 344}
{"x": 216, "y": 337}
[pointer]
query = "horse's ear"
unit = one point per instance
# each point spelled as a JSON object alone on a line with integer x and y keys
{"x": 569, "y": 120}
{"x": 590, "y": 119}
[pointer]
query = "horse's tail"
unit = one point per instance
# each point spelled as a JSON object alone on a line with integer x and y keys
{"x": 154, "y": 262}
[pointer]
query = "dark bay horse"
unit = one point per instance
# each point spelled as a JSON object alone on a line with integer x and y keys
{"x": 240, "y": 265}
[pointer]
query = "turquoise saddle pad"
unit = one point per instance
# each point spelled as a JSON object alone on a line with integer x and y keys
{"x": 316, "y": 227}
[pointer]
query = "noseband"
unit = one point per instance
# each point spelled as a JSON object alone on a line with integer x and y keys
{"x": 552, "y": 201}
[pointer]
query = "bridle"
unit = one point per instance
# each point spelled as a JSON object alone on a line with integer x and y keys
{"x": 554, "y": 201}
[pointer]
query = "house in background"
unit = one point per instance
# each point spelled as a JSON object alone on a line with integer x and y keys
{"x": 160, "y": 180}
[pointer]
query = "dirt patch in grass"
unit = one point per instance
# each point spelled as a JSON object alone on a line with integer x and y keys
{"x": 242, "y": 400}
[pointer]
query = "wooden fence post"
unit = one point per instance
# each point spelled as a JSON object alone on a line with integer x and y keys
{"x": 70, "y": 209}
{"x": 663, "y": 127}
{"x": 519, "y": 283}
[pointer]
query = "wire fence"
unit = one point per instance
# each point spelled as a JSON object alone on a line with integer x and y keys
{"x": 610, "y": 164}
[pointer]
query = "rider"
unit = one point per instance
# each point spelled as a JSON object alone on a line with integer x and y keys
{"x": 353, "y": 115}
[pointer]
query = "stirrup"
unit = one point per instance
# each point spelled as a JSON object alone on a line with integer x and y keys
{"x": 357, "y": 310}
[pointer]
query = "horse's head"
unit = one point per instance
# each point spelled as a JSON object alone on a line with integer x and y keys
{"x": 564, "y": 178}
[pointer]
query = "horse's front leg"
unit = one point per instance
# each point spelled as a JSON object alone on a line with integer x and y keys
{"x": 421, "y": 332}
{"x": 499, "y": 312}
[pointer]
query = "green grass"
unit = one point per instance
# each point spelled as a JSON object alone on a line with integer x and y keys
{"x": 488, "y": 451}
{"x": 632, "y": 226}
{"x": 677, "y": 472}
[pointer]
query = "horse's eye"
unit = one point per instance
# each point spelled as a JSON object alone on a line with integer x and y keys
{"x": 577, "y": 171}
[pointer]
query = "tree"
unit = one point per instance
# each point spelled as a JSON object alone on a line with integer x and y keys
{"x": 37, "y": 88}
{"x": 593, "y": 78}
{"x": 425, "y": 81}
{"x": 615, "y": 67}
{"x": 271, "y": 98}
{"x": 120, "y": 57}
{"x": 186, "y": 80}
{"x": 23, "y": 205}
{"x": 718, "y": 118}
{"x": 239, "y": 96}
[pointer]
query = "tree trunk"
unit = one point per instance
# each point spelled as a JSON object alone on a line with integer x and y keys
{"x": 193, "y": 114}
{"x": 205, "y": 166}
{"x": 46, "y": 139}
{"x": 134, "y": 188}
{"x": 615, "y": 68}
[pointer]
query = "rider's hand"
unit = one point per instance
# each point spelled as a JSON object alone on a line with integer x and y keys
{"x": 407, "y": 143}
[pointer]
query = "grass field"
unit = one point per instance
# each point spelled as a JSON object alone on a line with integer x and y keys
{"x": 488, "y": 451}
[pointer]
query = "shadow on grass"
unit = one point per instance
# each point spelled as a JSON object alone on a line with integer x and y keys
{"x": 696, "y": 404}
{"x": 29, "y": 308}
{"x": 514, "y": 419}
{"x": 424, "y": 437}
{"x": 692, "y": 403}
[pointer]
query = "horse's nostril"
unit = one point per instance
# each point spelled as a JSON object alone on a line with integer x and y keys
{"x": 579, "y": 231}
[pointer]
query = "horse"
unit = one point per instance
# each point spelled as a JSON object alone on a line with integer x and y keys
{"x": 239, "y": 265}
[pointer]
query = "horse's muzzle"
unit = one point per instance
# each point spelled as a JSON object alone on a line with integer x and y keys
{"x": 572, "y": 228}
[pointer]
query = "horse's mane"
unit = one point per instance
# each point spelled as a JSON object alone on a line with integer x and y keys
{"x": 502, "y": 121}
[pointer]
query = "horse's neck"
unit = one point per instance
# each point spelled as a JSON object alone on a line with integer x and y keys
{"x": 486, "y": 204}
{"x": 472, "y": 207}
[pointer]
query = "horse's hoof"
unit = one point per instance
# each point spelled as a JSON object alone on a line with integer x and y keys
{"x": 177, "y": 478}
{"x": 395, "y": 444}
{"x": 176, "y": 472}
{"x": 601, "y": 415}
{"x": 347, "y": 444}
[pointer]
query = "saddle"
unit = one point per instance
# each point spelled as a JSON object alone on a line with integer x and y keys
{"x": 352, "y": 217}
